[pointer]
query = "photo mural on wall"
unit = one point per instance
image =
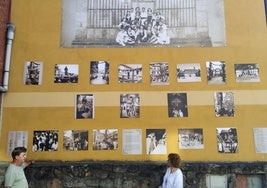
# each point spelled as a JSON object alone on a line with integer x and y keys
{"x": 188, "y": 72}
{"x": 142, "y": 23}
{"x": 66, "y": 73}
{"x": 84, "y": 106}
{"x": 190, "y": 138}
{"x": 156, "y": 141}
{"x": 224, "y": 104}
{"x": 129, "y": 106}
{"x": 247, "y": 72}
{"x": 177, "y": 105}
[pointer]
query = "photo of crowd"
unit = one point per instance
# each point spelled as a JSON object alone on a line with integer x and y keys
{"x": 75, "y": 140}
{"x": 247, "y": 72}
{"x": 45, "y": 140}
{"x": 190, "y": 138}
{"x": 105, "y": 139}
{"x": 159, "y": 73}
{"x": 129, "y": 106}
{"x": 141, "y": 26}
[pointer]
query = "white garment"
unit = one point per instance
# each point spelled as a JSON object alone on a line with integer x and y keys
{"x": 173, "y": 180}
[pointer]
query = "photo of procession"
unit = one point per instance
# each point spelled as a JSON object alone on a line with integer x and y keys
{"x": 139, "y": 23}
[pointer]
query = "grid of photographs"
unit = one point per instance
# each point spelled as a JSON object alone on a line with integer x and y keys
{"x": 155, "y": 139}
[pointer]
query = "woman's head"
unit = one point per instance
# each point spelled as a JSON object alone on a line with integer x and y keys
{"x": 174, "y": 160}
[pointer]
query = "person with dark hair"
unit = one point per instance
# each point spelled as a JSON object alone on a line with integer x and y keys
{"x": 173, "y": 177}
{"x": 15, "y": 176}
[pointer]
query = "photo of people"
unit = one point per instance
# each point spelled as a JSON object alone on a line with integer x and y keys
{"x": 247, "y": 72}
{"x": 84, "y": 106}
{"x": 75, "y": 140}
{"x": 188, "y": 72}
{"x": 142, "y": 26}
{"x": 66, "y": 73}
{"x": 99, "y": 72}
{"x": 33, "y": 72}
{"x": 130, "y": 73}
{"x": 45, "y": 140}
{"x": 216, "y": 74}
{"x": 224, "y": 104}
{"x": 190, "y": 138}
{"x": 105, "y": 139}
{"x": 227, "y": 140}
{"x": 177, "y": 105}
{"x": 150, "y": 23}
{"x": 129, "y": 106}
{"x": 156, "y": 141}
{"x": 159, "y": 73}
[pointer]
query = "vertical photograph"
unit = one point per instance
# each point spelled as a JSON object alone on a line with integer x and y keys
{"x": 75, "y": 140}
{"x": 156, "y": 141}
{"x": 66, "y": 73}
{"x": 130, "y": 73}
{"x": 105, "y": 139}
{"x": 177, "y": 105}
{"x": 224, "y": 104}
{"x": 99, "y": 73}
{"x": 46, "y": 140}
{"x": 190, "y": 139}
{"x": 188, "y": 72}
{"x": 159, "y": 73}
{"x": 84, "y": 107}
{"x": 227, "y": 141}
{"x": 216, "y": 73}
{"x": 247, "y": 72}
{"x": 33, "y": 73}
{"x": 129, "y": 106}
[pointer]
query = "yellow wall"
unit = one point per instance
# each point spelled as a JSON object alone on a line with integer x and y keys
{"x": 51, "y": 106}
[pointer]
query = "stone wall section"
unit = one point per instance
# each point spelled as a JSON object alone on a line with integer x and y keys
{"x": 116, "y": 174}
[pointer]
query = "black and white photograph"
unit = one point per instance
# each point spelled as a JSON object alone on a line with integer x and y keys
{"x": 224, "y": 104}
{"x": 66, "y": 73}
{"x": 130, "y": 73}
{"x": 142, "y": 23}
{"x": 75, "y": 140}
{"x": 129, "y": 106}
{"x": 46, "y": 140}
{"x": 177, "y": 105}
{"x": 216, "y": 73}
{"x": 159, "y": 73}
{"x": 33, "y": 73}
{"x": 99, "y": 73}
{"x": 16, "y": 139}
{"x": 247, "y": 72}
{"x": 131, "y": 141}
{"x": 84, "y": 107}
{"x": 188, "y": 72}
{"x": 156, "y": 141}
{"x": 105, "y": 139}
{"x": 227, "y": 141}
{"x": 190, "y": 138}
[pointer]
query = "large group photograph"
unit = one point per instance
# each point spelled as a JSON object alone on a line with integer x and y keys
{"x": 142, "y": 23}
